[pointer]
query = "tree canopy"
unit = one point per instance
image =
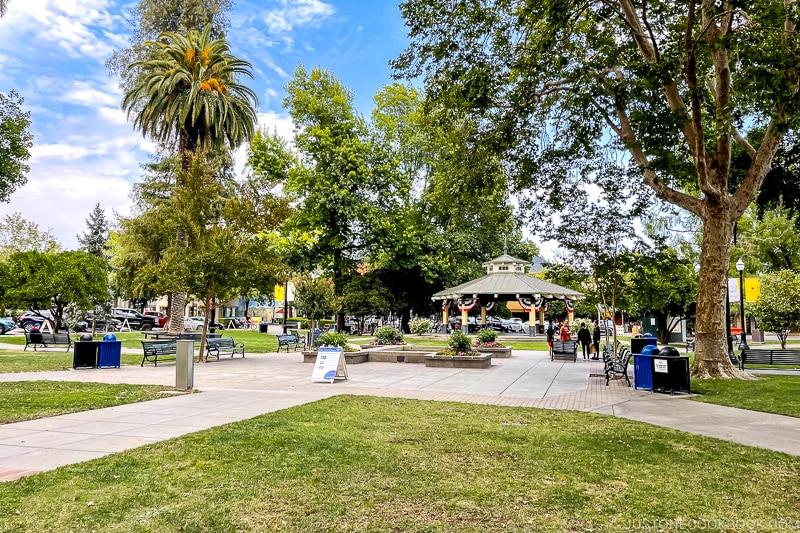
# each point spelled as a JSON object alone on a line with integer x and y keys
{"x": 560, "y": 89}
{"x": 15, "y": 144}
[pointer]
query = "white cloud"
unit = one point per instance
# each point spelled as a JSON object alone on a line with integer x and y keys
{"x": 79, "y": 27}
{"x": 280, "y": 122}
{"x": 293, "y": 14}
{"x": 89, "y": 95}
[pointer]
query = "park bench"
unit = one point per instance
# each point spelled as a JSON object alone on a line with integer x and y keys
{"x": 153, "y": 350}
{"x": 293, "y": 338}
{"x": 564, "y": 351}
{"x": 215, "y": 347}
{"x": 769, "y": 357}
{"x": 45, "y": 340}
{"x": 618, "y": 367}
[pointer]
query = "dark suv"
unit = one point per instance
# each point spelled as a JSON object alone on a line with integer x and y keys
{"x": 136, "y": 320}
{"x": 29, "y": 319}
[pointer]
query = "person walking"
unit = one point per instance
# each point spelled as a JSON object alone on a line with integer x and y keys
{"x": 564, "y": 332}
{"x": 585, "y": 338}
{"x": 551, "y": 335}
{"x": 596, "y": 339}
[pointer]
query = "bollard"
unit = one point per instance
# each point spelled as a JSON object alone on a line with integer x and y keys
{"x": 184, "y": 365}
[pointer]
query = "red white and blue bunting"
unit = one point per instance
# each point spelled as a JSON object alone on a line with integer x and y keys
{"x": 525, "y": 303}
{"x": 467, "y": 304}
{"x": 490, "y": 306}
{"x": 445, "y": 304}
{"x": 570, "y": 306}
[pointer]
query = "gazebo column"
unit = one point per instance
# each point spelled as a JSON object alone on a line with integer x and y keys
{"x": 570, "y": 311}
{"x": 541, "y": 316}
{"x": 483, "y": 315}
{"x": 464, "y": 321}
{"x": 532, "y": 321}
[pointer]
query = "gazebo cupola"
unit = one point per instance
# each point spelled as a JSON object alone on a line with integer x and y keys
{"x": 505, "y": 264}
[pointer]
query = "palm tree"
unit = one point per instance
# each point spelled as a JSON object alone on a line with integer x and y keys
{"x": 189, "y": 94}
{"x": 3, "y": 7}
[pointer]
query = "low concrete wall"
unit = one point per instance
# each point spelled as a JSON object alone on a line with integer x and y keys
{"x": 501, "y": 353}
{"x": 446, "y": 361}
{"x": 396, "y": 356}
{"x": 351, "y": 358}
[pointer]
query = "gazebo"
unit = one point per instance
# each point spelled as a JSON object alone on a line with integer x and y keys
{"x": 506, "y": 281}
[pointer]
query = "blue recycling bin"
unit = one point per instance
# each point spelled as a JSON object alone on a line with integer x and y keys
{"x": 643, "y": 368}
{"x": 109, "y": 354}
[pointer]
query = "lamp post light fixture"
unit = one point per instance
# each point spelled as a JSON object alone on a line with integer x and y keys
{"x": 740, "y": 267}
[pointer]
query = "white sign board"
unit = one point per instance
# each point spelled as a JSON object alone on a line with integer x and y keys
{"x": 733, "y": 290}
{"x": 330, "y": 365}
{"x": 660, "y": 366}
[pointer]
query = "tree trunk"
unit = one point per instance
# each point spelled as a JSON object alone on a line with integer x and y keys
{"x": 176, "y": 305}
{"x": 201, "y": 359}
{"x": 711, "y": 354}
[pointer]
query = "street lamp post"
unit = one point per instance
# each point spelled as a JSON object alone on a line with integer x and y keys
{"x": 740, "y": 267}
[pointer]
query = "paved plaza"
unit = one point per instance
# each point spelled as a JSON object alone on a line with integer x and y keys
{"x": 238, "y": 389}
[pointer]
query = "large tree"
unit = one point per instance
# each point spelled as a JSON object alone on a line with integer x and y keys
{"x": 349, "y": 183}
{"x": 556, "y": 85}
{"x": 189, "y": 94}
{"x": 149, "y": 19}
{"x": 54, "y": 281}
{"x": 95, "y": 239}
{"x": 15, "y": 144}
{"x": 20, "y": 235}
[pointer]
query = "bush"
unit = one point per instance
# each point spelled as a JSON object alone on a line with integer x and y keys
{"x": 487, "y": 335}
{"x": 304, "y": 322}
{"x": 329, "y": 338}
{"x": 388, "y": 335}
{"x": 420, "y": 326}
{"x": 460, "y": 343}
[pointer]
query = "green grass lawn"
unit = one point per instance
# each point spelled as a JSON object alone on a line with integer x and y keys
{"x": 770, "y": 394}
{"x": 26, "y": 400}
{"x": 375, "y": 464}
{"x": 41, "y": 361}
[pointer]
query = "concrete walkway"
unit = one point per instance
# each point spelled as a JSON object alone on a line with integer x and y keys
{"x": 237, "y": 389}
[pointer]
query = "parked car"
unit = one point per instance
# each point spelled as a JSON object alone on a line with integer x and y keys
{"x": 100, "y": 323}
{"x": 195, "y": 323}
{"x": 136, "y": 320}
{"x": 30, "y": 319}
{"x": 513, "y": 325}
{"x": 6, "y": 324}
{"x": 161, "y": 318}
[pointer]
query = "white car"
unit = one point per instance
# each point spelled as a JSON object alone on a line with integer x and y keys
{"x": 513, "y": 325}
{"x": 193, "y": 323}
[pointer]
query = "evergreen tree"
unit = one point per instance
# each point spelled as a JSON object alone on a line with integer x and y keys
{"x": 95, "y": 238}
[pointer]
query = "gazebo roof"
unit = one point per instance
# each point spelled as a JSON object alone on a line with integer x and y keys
{"x": 508, "y": 286}
{"x": 506, "y": 280}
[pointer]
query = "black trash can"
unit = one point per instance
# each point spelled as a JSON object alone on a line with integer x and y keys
{"x": 84, "y": 354}
{"x": 671, "y": 372}
{"x": 263, "y": 327}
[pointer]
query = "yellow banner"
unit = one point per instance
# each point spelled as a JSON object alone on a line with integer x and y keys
{"x": 280, "y": 290}
{"x": 752, "y": 289}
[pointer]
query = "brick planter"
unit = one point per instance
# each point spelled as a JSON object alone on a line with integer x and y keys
{"x": 456, "y": 361}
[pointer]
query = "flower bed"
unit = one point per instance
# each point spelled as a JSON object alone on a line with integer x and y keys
{"x": 481, "y": 360}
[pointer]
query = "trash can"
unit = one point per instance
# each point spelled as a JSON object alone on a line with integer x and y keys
{"x": 263, "y": 327}
{"x": 670, "y": 372}
{"x": 109, "y": 352}
{"x": 640, "y": 341}
{"x": 84, "y": 354}
{"x": 643, "y": 368}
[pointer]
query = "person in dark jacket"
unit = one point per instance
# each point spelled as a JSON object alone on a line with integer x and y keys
{"x": 585, "y": 338}
{"x": 596, "y": 338}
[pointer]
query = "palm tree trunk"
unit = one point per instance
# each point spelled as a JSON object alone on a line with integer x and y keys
{"x": 176, "y": 311}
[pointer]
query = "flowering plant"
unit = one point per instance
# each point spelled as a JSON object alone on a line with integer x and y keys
{"x": 387, "y": 335}
{"x": 487, "y": 338}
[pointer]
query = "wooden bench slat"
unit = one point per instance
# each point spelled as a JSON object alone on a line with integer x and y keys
{"x": 770, "y": 357}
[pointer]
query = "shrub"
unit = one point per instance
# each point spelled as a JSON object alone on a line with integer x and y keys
{"x": 388, "y": 335}
{"x": 329, "y": 338}
{"x": 460, "y": 343}
{"x": 487, "y": 335}
{"x": 304, "y": 322}
{"x": 420, "y": 325}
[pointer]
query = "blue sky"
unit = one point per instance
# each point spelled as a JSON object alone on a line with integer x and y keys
{"x": 85, "y": 151}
